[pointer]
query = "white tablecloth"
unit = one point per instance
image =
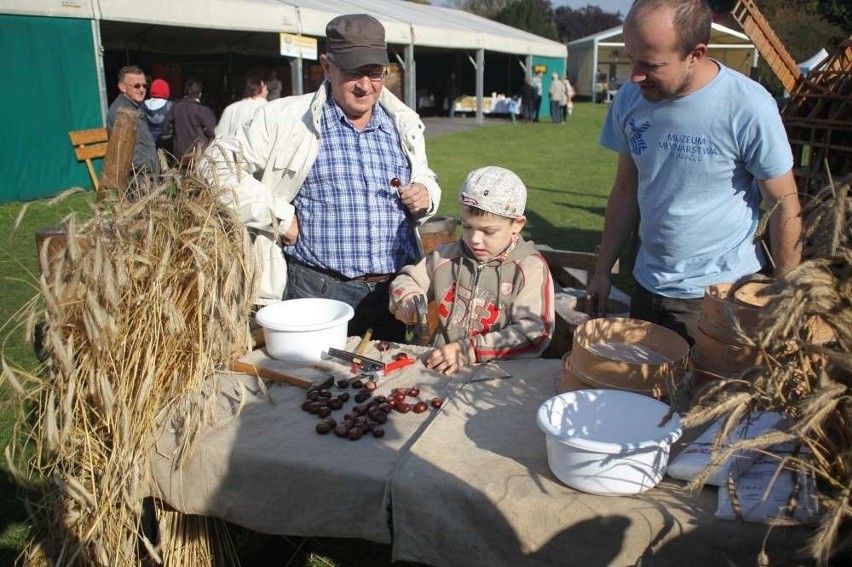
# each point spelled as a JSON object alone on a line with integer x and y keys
{"x": 467, "y": 485}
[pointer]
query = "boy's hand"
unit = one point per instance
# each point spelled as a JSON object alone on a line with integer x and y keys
{"x": 448, "y": 359}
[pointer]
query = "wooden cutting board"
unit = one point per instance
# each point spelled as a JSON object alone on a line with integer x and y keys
{"x": 259, "y": 363}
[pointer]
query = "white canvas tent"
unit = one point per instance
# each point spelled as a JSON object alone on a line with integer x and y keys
{"x": 408, "y": 26}
{"x": 598, "y": 63}
{"x": 812, "y": 61}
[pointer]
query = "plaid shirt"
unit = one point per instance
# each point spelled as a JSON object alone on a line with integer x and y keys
{"x": 350, "y": 217}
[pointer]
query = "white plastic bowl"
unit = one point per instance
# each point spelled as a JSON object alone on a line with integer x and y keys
{"x": 302, "y": 329}
{"x": 608, "y": 442}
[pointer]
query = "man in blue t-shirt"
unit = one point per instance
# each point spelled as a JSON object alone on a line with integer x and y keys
{"x": 699, "y": 145}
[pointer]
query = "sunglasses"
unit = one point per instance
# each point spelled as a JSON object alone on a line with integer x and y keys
{"x": 138, "y": 85}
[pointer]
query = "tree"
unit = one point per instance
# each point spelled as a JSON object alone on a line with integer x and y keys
{"x": 534, "y": 16}
{"x": 574, "y": 24}
{"x": 484, "y": 8}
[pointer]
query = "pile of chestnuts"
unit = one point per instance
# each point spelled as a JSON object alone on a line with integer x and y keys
{"x": 368, "y": 414}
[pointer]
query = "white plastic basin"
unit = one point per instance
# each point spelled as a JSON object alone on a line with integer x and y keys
{"x": 302, "y": 329}
{"x": 607, "y": 442}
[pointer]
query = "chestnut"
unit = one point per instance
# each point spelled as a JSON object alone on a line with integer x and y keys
{"x": 324, "y": 427}
{"x": 378, "y": 431}
{"x": 355, "y": 433}
{"x": 362, "y": 397}
{"x": 437, "y": 402}
{"x": 414, "y": 391}
{"x": 420, "y": 407}
{"x": 343, "y": 383}
{"x": 335, "y": 403}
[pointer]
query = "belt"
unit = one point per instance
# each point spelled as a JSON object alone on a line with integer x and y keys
{"x": 366, "y": 278}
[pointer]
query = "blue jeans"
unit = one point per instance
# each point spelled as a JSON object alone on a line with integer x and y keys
{"x": 555, "y": 112}
{"x": 370, "y": 300}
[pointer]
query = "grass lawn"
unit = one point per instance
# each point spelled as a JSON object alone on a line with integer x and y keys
{"x": 568, "y": 177}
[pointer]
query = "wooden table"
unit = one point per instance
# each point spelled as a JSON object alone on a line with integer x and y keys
{"x": 466, "y": 485}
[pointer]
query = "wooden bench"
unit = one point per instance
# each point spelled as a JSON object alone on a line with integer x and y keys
{"x": 88, "y": 145}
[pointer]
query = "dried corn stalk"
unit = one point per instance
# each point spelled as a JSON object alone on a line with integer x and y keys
{"x": 810, "y": 383}
{"x": 149, "y": 297}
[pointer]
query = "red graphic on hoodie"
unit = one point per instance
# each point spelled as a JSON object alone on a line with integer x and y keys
{"x": 480, "y": 324}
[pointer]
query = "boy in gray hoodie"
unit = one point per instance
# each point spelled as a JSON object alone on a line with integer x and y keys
{"x": 494, "y": 290}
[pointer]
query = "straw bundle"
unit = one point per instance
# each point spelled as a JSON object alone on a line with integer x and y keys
{"x": 149, "y": 297}
{"x": 810, "y": 383}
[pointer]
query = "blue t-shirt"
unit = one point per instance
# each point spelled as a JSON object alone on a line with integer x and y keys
{"x": 698, "y": 157}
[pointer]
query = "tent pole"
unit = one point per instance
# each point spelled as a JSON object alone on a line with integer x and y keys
{"x": 410, "y": 75}
{"x": 594, "y": 87}
{"x": 99, "y": 68}
{"x": 480, "y": 84}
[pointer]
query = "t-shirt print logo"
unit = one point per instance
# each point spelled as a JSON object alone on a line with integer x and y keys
{"x": 637, "y": 144}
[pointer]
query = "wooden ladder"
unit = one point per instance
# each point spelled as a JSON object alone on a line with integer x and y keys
{"x": 770, "y": 46}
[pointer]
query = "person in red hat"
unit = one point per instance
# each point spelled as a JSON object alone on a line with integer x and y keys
{"x": 156, "y": 108}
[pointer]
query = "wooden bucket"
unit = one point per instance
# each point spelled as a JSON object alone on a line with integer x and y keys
{"x": 569, "y": 381}
{"x": 628, "y": 354}
{"x": 56, "y": 239}
{"x": 724, "y": 306}
{"x": 702, "y": 372}
{"x": 436, "y": 231}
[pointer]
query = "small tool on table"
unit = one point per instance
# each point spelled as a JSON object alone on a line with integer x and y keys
{"x": 421, "y": 328}
{"x": 368, "y": 365}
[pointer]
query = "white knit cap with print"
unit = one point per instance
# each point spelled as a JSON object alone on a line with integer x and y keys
{"x": 496, "y": 190}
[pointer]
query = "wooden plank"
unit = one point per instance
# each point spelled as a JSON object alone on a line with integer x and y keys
{"x": 91, "y": 152}
{"x": 119, "y": 156}
{"x": 90, "y": 136}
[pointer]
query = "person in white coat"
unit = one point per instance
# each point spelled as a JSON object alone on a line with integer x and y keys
{"x": 332, "y": 184}
{"x": 238, "y": 113}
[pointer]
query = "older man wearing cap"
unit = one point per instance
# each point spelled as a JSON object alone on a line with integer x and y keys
{"x": 332, "y": 183}
{"x": 494, "y": 290}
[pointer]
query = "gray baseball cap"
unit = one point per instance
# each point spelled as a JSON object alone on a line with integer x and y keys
{"x": 356, "y": 40}
{"x": 496, "y": 190}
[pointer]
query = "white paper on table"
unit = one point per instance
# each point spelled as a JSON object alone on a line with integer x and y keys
{"x": 696, "y": 456}
{"x": 763, "y": 492}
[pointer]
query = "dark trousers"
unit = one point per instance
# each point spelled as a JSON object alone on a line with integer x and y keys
{"x": 679, "y": 315}
{"x": 370, "y": 300}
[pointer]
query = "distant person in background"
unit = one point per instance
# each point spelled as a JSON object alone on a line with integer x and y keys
{"x": 537, "y": 82}
{"x": 240, "y": 112}
{"x": 452, "y": 94}
{"x": 190, "y": 122}
{"x": 528, "y": 98}
{"x": 273, "y": 86}
{"x": 568, "y": 107}
{"x": 512, "y": 107}
{"x": 557, "y": 98}
{"x": 132, "y": 87}
{"x": 156, "y": 110}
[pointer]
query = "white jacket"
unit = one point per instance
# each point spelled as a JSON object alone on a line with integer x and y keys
{"x": 265, "y": 164}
